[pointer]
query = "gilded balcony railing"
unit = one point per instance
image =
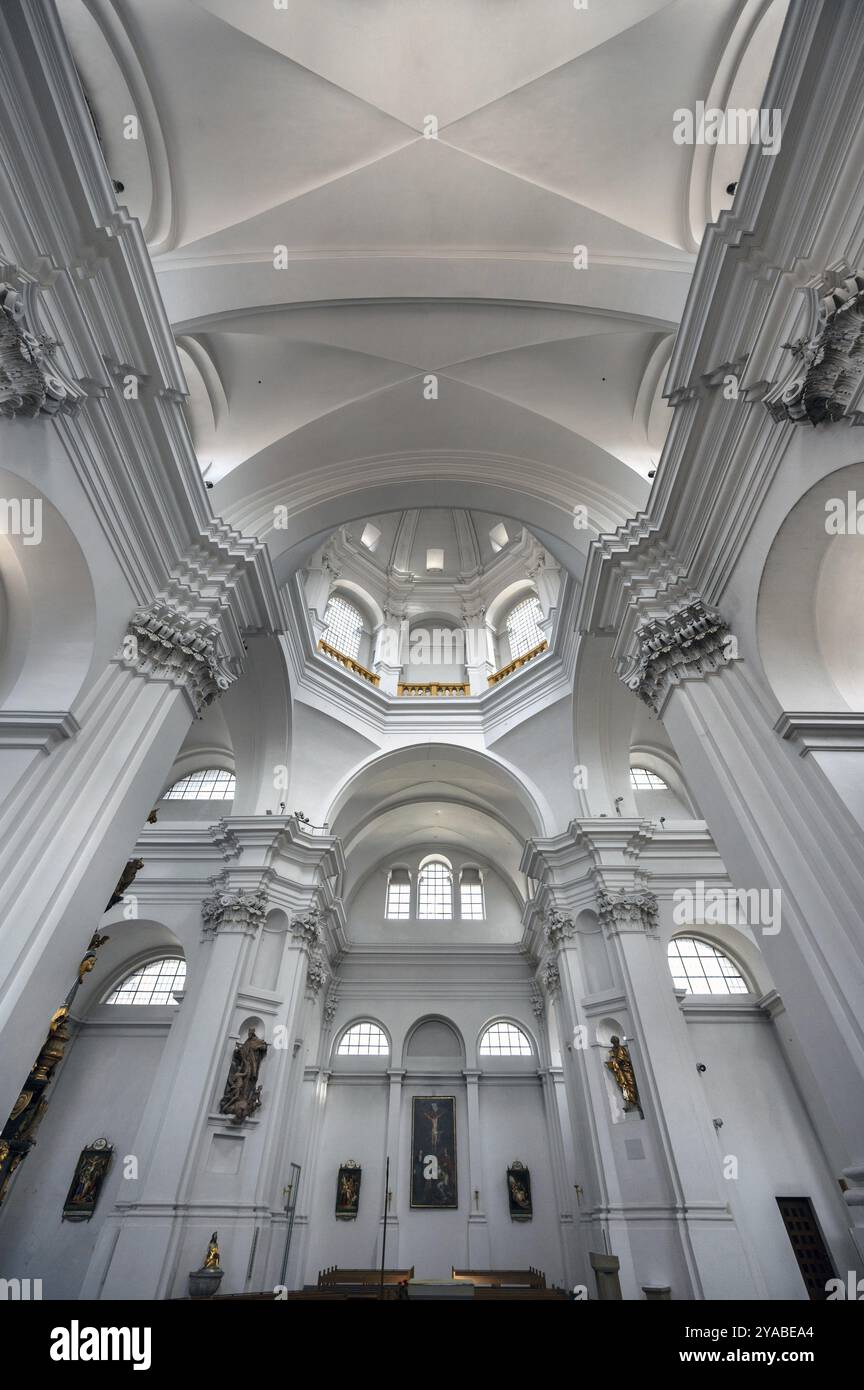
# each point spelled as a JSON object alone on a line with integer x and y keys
{"x": 434, "y": 688}
{"x": 519, "y": 661}
{"x": 348, "y": 662}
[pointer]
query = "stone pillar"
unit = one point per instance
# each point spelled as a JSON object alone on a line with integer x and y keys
{"x": 69, "y": 830}
{"x": 783, "y": 834}
{"x": 479, "y": 1252}
{"x": 395, "y": 1077}
{"x": 192, "y": 1158}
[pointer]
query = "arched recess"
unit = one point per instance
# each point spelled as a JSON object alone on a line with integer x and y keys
{"x": 257, "y": 710}
{"x": 48, "y": 604}
{"x": 132, "y": 943}
{"x": 434, "y": 1042}
{"x": 810, "y": 611}
{"x": 733, "y": 943}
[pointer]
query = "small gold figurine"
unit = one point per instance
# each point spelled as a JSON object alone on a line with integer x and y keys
{"x": 211, "y": 1259}
{"x": 620, "y": 1064}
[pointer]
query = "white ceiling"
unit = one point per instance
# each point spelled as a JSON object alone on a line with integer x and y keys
{"x": 303, "y": 127}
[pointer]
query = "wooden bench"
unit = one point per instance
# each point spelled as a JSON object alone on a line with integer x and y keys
{"x": 501, "y": 1278}
{"x": 511, "y": 1294}
{"x": 334, "y": 1277}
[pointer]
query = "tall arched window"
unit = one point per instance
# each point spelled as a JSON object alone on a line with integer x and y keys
{"x": 524, "y": 632}
{"x": 435, "y": 889}
{"x": 471, "y": 907}
{"x": 344, "y": 626}
{"x": 505, "y": 1040}
{"x": 398, "y": 907}
{"x": 211, "y": 784}
{"x": 154, "y": 983}
{"x": 700, "y": 968}
{"x": 363, "y": 1040}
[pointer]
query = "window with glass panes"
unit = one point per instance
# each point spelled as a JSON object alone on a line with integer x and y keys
{"x": 398, "y": 895}
{"x": 151, "y": 984}
{"x": 523, "y": 627}
{"x": 641, "y": 780}
{"x": 700, "y": 968}
{"x": 363, "y": 1040}
{"x": 504, "y": 1040}
{"x": 344, "y": 626}
{"x": 212, "y": 784}
{"x": 435, "y": 890}
{"x": 471, "y": 895}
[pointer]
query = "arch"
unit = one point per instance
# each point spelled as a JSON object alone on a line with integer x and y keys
{"x": 435, "y": 889}
{"x": 740, "y": 948}
{"x": 344, "y": 626}
{"x": 49, "y": 604}
{"x": 505, "y": 599}
{"x": 363, "y": 601}
{"x": 810, "y": 609}
{"x": 505, "y": 1037}
{"x": 150, "y": 983}
{"x": 207, "y": 783}
{"x": 695, "y": 960}
{"x": 362, "y": 1037}
{"x": 439, "y": 1033}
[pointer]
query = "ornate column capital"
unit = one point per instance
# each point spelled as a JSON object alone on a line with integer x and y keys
{"x": 551, "y": 977}
{"x": 689, "y": 642}
{"x": 634, "y": 911}
{"x": 317, "y": 973}
{"x": 557, "y": 927}
{"x": 30, "y": 384}
{"x": 307, "y": 931}
{"x": 165, "y": 643}
{"x": 234, "y": 908}
{"x": 538, "y": 1005}
{"x": 828, "y": 371}
{"x": 331, "y": 1004}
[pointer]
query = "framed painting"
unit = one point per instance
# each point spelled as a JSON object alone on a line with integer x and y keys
{"x": 519, "y": 1192}
{"x": 348, "y": 1191}
{"x": 433, "y": 1153}
{"x": 93, "y": 1163}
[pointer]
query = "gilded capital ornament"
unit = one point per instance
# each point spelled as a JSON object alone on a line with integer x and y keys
{"x": 689, "y": 642}
{"x": 628, "y": 911}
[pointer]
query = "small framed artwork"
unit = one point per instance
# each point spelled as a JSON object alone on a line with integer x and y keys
{"x": 90, "y": 1170}
{"x": 519, "y": 1192}
{"x": 433, "y": 1153}
{"x": 348, "y": 1191}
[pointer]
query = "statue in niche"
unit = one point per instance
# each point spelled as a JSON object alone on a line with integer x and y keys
{"x": 242, "y": 1095}
{"x": 620, "y": 1064}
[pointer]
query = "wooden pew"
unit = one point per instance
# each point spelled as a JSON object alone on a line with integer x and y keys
{"x": 334, "y": 1277}
{"x": 501, "y": 1278}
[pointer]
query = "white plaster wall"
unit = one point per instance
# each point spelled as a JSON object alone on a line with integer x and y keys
{"x": 100, "y": 1090}
{"x": 366, "y": 910}
{"x": 767, "y": 1129}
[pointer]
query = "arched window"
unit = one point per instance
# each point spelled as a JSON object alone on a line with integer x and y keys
{"x": 641, "y": 780}
{"x": 151, "y": 984}
{"x": 398, "y": 907}
{"x": 524, "y": 632}
{"x": 435, "y": 890}
{"x": 471, "y": 907}
{"x": 344, "y": 626}
{"x": 700, "y": 968}
{"x": 363, "y": 1040}
{"x": 212, "y": 784}
{"x": 505, "y": 1040}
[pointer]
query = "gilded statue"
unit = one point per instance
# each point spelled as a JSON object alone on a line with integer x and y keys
{"x": 211, "y": 1259}
{"x": 620, "y": 1064}
{"x": 242, "y": 1095}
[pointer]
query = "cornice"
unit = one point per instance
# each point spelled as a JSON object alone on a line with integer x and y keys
{"x": 839, "y": 731}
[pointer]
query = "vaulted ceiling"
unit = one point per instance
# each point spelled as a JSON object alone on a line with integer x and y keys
{"x": 321, "y": 258}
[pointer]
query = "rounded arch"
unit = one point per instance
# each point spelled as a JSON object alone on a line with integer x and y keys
{"x": 810, "y": 609}
{"x": 499, "y": 1044}
{"x": 48, "y": 603}
{"x": 367, "y": 606}
{"x": 731, "y": 942}
{"x": 358, "y": 1022}
{"x": 132, "y": 944}
{"x": 507, "y": 599}
{"x": 434, "y": 1031}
